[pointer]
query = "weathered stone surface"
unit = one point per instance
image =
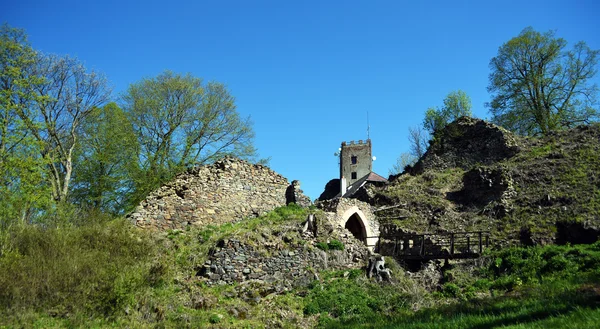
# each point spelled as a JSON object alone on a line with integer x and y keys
{"x": 343, "y": 208}
{"x": 491, "y": 187}
{"x": 226, "y": 191}
{"x": 466, "y": 142}
{"x": 295, "y": 195}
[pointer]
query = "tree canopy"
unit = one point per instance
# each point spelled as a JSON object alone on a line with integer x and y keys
{"x": 456, "y": 104}
{"x": 105, "y": 164}
{"x": 181, "y": 121}
{"x": 539, "y": 86}
{"x": 23, "y": 190}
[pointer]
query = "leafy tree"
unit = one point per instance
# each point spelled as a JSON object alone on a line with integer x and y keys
{"x": 22, "y": 191}
{"x": 181, "y": 121}
{"x": 456, "y": 104}
{"x": 538, "y": 86}
{"x": 67, "y": 94}
{"x": 105, "y": 161}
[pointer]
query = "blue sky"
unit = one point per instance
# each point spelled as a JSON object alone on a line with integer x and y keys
{"x": 307, "y": 72}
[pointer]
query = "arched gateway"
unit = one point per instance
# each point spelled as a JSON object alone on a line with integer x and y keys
{"x": 359, "y": 225}
{"x": 354, "y": 215}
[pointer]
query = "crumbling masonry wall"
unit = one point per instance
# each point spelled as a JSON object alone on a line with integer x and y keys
{"x": 227, "y": 191}
{"x": 235, "y": 261}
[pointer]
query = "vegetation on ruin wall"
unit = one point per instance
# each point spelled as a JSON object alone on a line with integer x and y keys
{"x": 555, "y": 180}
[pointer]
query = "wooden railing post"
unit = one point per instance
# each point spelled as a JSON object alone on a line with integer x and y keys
{"x": 468, "y": 244}
{"x": 451, "y": 244}
{"x": 480, "y": 245}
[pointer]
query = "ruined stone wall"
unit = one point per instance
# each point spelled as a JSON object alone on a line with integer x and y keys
{"x": 233, "y": 261}
{"x": 226, "y": 191}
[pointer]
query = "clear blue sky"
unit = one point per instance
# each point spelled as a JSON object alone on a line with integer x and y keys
{"x": 306, "y": 72}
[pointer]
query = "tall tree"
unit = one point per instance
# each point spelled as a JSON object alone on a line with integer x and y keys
{"x": 22, "y": 191}
{"x": 456, "y": 104}
{"x": 538, "y": 86}
{"x": 181, "y": 121}
{"x": 67, "y": 94}
{"x": 105, "y": 161}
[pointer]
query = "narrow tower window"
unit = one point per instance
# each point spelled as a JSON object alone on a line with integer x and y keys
{"x": 354, "y": 175}
{"x": 354, "y": 159}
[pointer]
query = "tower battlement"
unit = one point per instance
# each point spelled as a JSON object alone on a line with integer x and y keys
{"x": 355, "y": 160}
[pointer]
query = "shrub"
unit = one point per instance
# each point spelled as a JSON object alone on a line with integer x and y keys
{"x": 332, "y": 245}
{"x": 336, "y": 245}
{"x": 482, "y": 284}
{"x": 451, "y": 290}
{"x": 323, "y": 246}
{"x": 215, "y": 318}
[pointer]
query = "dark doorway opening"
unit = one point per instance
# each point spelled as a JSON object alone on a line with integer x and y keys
{"x": 357, "y": 228}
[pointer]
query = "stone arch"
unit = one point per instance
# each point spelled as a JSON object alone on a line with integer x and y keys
{"x": 355, "y": 225}
{"x": 359, "y": 225}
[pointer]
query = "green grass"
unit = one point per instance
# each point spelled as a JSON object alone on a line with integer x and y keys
{"x": 421, "y": 196}
{"x": 536, "y": 287}
{"x": 561, "y": 305}
{"x": 331, "y": 245}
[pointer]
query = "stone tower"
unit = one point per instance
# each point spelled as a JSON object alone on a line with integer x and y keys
{"x": 355, "y": 160}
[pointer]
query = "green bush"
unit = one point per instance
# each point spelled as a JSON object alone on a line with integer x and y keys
{"x": 336, "y": 245}
{"x": 451, "y": 290}
{"x": 332, "y": 245}
{"x": 482, "y": 284}
{"x": 214, "y": 318}
{"x": 323, "y": 246}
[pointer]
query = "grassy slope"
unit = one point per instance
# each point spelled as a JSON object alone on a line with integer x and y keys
{"x": 112, "y": 275}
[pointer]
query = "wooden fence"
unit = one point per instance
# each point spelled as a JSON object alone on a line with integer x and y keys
{"x": 453, "y": 245}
